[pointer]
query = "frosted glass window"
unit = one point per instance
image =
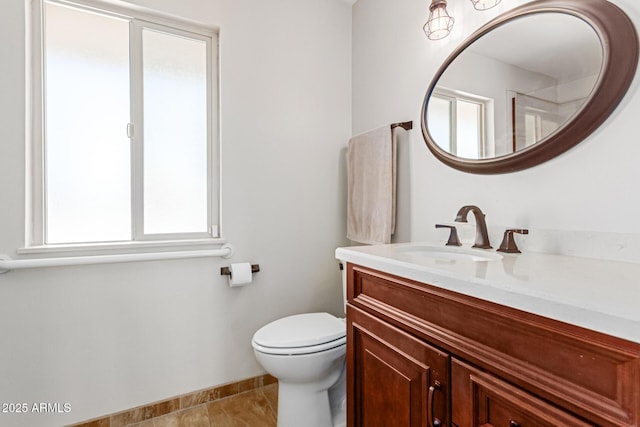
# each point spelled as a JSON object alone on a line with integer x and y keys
{"x": 469, "y": 128}
{"x": 87, "y": 171}
{"x": 439, "y": 118}
{"x": 457, "y": 123}
{"x": 125, "y": 126}
{"x": 175, "y": 133}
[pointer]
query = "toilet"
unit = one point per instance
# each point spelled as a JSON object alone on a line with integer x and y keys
{"x": 306, "y": 353}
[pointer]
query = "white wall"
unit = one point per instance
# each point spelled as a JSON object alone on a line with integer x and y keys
{"x": 108, "y": 338}
{"x": 588, "y": 190}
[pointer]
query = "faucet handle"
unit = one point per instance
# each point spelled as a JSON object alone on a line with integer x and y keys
{"x": 508, "y": 244}
{"x": 453, "y": 235}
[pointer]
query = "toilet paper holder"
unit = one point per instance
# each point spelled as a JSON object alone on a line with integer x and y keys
{"x": 224, "y": 271}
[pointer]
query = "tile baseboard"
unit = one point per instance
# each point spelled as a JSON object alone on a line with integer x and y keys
{"x": 179, "y": 403}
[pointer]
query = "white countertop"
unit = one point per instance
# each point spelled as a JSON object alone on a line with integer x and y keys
{"x": 596, "y": 294}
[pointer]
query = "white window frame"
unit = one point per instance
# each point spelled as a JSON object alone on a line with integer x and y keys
{"x": 35, "y": 230}
{"x": 484, "y": 125}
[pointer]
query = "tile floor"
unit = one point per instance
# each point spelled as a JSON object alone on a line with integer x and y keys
{"x": 248, "y": 403}
{"x": 255, "y": 408}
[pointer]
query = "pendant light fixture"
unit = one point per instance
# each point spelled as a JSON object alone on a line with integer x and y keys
{"x": 440, "y": 23}
{"x": 484, "y": 4}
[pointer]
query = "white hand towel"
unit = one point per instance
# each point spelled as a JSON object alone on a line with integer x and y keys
{"x": 371, "y": 187}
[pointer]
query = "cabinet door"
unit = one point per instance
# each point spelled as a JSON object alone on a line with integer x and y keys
{"x": 480, "y": 399}
{"x": 393, "y": 378}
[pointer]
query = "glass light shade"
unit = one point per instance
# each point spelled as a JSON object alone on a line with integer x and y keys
{"x": 484, "y": 4}
{"x": 439, "y": 23}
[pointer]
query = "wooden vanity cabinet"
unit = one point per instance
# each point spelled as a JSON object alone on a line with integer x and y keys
{"x": 398, "y": 379}
{"x": 482, "y": 399}
{"x": 418, "y": 355}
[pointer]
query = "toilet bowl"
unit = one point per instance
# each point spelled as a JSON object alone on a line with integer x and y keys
{"x": 306, "y": 353}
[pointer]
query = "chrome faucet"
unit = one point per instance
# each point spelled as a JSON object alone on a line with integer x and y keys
{"x": 482, "y": 237}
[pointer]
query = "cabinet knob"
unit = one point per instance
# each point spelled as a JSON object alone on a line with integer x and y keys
{"x": 513, "y": 423}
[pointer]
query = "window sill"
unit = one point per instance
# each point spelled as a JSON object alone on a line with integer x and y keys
{"x": 112, "y": 248}
{"x": 115, "y": 253}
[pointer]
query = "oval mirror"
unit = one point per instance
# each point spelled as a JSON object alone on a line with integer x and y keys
{"x": 529, "y": 85}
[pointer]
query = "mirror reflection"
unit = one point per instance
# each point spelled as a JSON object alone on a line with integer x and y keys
{"x": 515, "y": 86}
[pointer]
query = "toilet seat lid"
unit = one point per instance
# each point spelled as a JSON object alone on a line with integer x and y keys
{"x": 301, "y": 330}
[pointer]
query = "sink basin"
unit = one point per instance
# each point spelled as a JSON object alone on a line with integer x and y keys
{"x": 449, "y": 253}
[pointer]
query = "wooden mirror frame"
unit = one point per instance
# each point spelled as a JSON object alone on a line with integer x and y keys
{"x": 619, "y": 41}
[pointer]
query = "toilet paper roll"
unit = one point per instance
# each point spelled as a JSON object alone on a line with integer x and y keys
{"x": 240, "y": 274}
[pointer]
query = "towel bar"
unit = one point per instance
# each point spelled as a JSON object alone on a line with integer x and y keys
{"x": 404, "y": 125}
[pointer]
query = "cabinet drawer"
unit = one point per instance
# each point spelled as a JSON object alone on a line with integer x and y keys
{"x": 481, "y": 399}
{"x": 593, "y": 375}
